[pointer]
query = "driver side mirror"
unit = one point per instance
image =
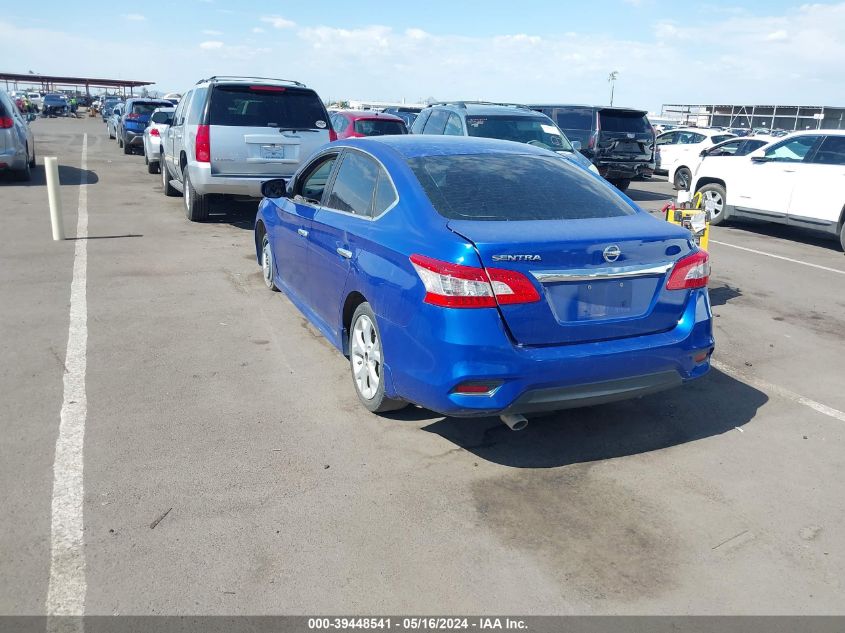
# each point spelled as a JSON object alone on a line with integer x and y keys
{"x": 576, "y": 145}
{"x": 758, "y": 156}
{"x": 276, "y": 188}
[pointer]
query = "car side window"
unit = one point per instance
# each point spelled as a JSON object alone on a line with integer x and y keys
{"x": 386, "y": 194}
{"x": 791, "y": 151}
{"x": 354, "y": 186}
{"x": 311, "y": 185}
{"x": 667, "y": 139}
{"x": 453, "y": 126}
{"x": 727, "y": 149}
{"x": 436, "y": 122}
{"x": 196, "y": 106}
{"x": 831, "y": 151}
{"x": 420, "y": 121}
{"x": 178, "y": 116}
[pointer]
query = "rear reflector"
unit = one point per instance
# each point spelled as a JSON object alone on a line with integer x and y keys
{"x": 202, "y": 149}
{"x": 455, "y": 286}
{"x": 692, "y": 271}
{"x": 476, "y": 388}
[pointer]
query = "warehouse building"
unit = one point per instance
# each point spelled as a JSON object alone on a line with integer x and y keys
{"x": 773, "y": 117}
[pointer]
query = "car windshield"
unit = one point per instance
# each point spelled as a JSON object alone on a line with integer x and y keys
{"x": 523, "y": 129}
{"x": 514, "y": 187}
{"x": 379, "y": 127}
{"x": 267, "y": 106}
{"x": 144, "y": 108}
{"x": 622, "y": 121}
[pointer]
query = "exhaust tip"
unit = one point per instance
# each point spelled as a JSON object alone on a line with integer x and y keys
{"x": 514, "y": 421}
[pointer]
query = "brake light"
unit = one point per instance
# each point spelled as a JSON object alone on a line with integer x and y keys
{"x": 268, "y": 88}
{"x": 154, "y": 132}
{"x": 6, "y": 122}
{"x": 133, "y": 116}
{"x": 332, "y": 135}
{"x": 202, "y": 149}
{"x": 692, "y": 271}
{"x": 455, "y": 286}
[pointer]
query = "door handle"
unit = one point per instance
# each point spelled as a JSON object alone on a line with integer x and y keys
{"x": 344, "y": 253}
{"x": 302, "y": 232}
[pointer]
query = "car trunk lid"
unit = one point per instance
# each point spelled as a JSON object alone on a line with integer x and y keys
{"x": 583, "y": 296}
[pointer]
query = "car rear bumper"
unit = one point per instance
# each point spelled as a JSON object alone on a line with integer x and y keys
{"x": 133, "y": 138}
{"x": 13, "y": 159}
{"x": 441, "y": 348}
{"x": 625, "y": 169}
{"x": 204, "y": 182}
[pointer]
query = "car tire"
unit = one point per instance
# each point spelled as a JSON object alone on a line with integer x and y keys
{"x": 22, "y": 175}
{"x": 683, "y": 179}
{"x": 717, "y": 194}
{"x": 268, "y": 264}
{"x": 108, "y": 127}
{"x": 367, "y": 378}
{"x": 169, "y": 190}
{"x": 842, "y": 237}
{"x": 127, "y": 148}
{"x": 196, "y": 205}
{"x": 119, "y": 138}
{"x": 621, "y": 183}
{"x": 32, "y": 162}
{"x": 146, "y": 160}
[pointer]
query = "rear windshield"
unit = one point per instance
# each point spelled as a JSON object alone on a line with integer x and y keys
{"x": 538, "y": 131}
{"x": 162, "y": 117}
{"x": 514, "y": 187}
{"x": 379, "y": 127}
{"x": 144, "y": 108}
{"x": 267, "y": 106}
{"x": 635, "y": 122}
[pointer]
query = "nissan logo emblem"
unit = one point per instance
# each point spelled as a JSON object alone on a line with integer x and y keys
{"x": 611, "y": 253}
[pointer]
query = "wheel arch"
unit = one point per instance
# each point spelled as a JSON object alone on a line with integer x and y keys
{"x": 353, "y": 300}
{"x": 709, "y": 180}
{"x": 258, "y": 235}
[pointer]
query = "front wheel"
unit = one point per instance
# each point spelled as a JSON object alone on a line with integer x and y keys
{"x": 168, "y": 189}
{"x": 715, "y": 195}
{"x": 683, "y": 179}
{"x": 268, "y": 264}
{"x": 366, "y": 357}
{"x": 108, "y": 127}
{"x": 621, "y": 183}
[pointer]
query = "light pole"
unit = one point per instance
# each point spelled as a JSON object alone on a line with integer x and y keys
{"x": 611, "y": 78}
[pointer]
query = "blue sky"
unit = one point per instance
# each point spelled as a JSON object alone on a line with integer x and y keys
{"x": 664, "y": 51}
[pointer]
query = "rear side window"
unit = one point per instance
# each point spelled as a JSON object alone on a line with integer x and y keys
{"x": 162, "y": 117}
{"x": 634, "y": 122}
{"x": 379, "y": 127}
{"x": 436, "y": 122}
{"x": 574, "y": 119}
{"x": 354, "y": 185}
{"x": 420, "y": 121}
{"x": 195, "y": 109}
{"x": 385, "y": 193}
{"x": 514, "y": 187}
{"x": 453, "y": 126}
{"x": 831, "y": 151}
{"x": 721, "y": 137}
{"x": 267, "y": 106}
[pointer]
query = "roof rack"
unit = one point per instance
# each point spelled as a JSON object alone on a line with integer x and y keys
{"x": 463, "y": 104}
{"x": 219, "y": 77}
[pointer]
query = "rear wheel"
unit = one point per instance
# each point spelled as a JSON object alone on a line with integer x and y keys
{"x": 715, "y": 195}
{"x": 621, "y": 183}
{"x": 22, "y": 175}
{"x": 366, "y": 356}
{"x": 842, "y": 236}
{"x": 32, "y": 162}
{"x": 127, "y": 149}
{"x": 683, "y": 179}
{"x": 196, "y": 205}
{"x": 169, "y": 190}
{"x": 108, "y": 127}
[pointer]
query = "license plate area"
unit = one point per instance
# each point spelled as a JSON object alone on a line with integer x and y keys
{"x": 603, "y": 299}
{"x": 274, "y": 152}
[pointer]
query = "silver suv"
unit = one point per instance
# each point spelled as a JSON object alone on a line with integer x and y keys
{"x": 17, "y": 146}
{"x": 230, "y": 134}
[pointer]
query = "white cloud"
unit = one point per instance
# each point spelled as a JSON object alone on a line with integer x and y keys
{"x": 135, "y": 17}
{"x": 278, "y": 22}
{"x": 257, "y": 29}
{"x": 212, "y": 32}
{"x": 211, "y": 45}
{"x": 777, "y": 36}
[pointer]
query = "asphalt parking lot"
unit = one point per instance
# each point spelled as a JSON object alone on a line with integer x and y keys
{"x": 213, "y": 404}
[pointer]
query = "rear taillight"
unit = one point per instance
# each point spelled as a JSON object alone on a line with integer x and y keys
{"x": 268, "y": 88}
{"x": 6, "y": 122}
{"x": 154, "y": 132}
{"x": 456, "y": 286}
{"x": 692, "y": 271}
{"x": 332, "y": 135}
{"x": 202, "y": 149}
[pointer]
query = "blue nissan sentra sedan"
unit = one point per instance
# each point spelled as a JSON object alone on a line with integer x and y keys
{"x": 476, "y": 276}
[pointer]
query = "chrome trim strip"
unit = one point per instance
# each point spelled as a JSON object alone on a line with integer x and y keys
{"x": 597, "y": 274}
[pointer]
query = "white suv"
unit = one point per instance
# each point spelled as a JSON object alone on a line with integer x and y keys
{"x": 797, "y": 181}
{"x": 680, "y": 148}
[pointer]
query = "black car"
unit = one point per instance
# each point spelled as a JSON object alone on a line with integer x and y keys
{"x": 619, "y": 141}
{"x": 406, "y": 113}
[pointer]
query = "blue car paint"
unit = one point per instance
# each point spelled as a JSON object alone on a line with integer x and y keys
{"x": 430, "y": 349}
{"x": 137, "y": 126}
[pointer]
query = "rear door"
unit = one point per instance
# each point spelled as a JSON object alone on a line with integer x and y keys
{"x": 599, "y": 265}
{"x": 819, "y": 192}
{"x": 624, "y": 135}
{"x": 175, "y": 136}
{"x": 264, "y": 130}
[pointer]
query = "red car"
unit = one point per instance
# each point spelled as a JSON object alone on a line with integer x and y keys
{"x": 356, "y": 123}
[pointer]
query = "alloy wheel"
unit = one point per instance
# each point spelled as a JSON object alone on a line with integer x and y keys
{"x": 718, "y": 204}
{"x": 366, "y": 357}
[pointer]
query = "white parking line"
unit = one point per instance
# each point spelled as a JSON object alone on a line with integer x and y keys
{"x": 787, "y": 259}
{"x": 66, "y": 591}
{"x": 768, "y": 387}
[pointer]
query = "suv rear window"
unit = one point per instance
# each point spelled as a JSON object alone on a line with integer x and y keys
{"x": 635, "y": 122}
{"x": 514, "y": 187}
{"x": 140, "y": 107}
{"x": 379, "y": 127}
{"x": 267, "y": 106}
